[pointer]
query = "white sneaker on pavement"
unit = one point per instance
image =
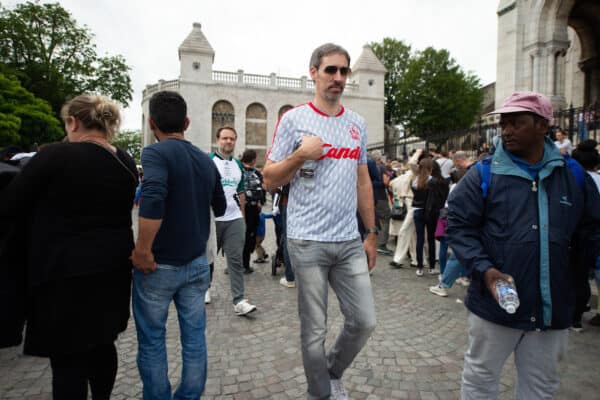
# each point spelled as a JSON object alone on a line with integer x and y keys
{"x": 337, "y": 390}
{"x": 439, "y": 290}
{"x": 286, "y": 283}
{"x": 207, "y": 298}
{"x": 244, "y": 308}
{"x": 464, "y": 281}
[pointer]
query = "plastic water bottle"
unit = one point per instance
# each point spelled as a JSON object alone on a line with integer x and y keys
{"x": 507, "y": 296}
{"x": 307, "y": 174}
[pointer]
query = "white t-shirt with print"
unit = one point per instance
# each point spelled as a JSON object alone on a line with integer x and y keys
{"x": 327, "y": 211}
{"x": 231, "y": 179}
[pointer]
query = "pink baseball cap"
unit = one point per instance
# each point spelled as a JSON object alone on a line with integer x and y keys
{"x": 527, "y": 102}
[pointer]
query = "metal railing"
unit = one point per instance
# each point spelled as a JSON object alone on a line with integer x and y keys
{"x": 579, "y": 123}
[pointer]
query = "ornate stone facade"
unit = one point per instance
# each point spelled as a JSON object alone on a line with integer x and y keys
{"x": 253, "y": 103}
{"x": 552, "y": 47}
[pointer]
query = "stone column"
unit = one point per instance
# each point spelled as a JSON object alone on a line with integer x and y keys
{"x": 535, "y": 70}
{"x": 591, "y": 69}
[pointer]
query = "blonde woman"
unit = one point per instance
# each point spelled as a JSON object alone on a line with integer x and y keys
{"x": 77, "y": 199}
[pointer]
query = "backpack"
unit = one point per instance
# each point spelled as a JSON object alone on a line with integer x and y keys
{"x": 484, "y": 168}
{"x": 253, "y": 187}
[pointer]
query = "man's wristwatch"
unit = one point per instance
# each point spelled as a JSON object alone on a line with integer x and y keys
{"x": 372, "y": 230}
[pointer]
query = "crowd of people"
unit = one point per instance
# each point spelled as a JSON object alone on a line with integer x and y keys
{"x": 526, "y": 215}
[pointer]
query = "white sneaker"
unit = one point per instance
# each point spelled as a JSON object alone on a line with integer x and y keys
{"x": 337, "y": 390}
{"x": 419, "y": 271}
{"x": 286, "y": 283}
{"x": 207, "y": 298}
{"x": 440, "y": 291}
{"x": 464, "y": 281}
{"x": 243, "y": 308}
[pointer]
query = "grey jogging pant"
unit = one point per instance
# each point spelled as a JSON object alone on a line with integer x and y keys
{"x": 536, "y": 357}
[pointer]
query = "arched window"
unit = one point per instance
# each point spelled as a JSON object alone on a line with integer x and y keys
{"x": 222, "y": 115}
{"x": 256, "y": 131}
{"x": 283, "y": 110}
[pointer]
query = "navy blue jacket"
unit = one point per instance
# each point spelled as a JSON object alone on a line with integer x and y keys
{"x": 523, "y": 228}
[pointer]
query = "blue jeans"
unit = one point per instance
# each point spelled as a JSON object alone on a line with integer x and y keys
{"x": 443, "y": 257}
{"x": 152, "y": 294}
{"x": 453, "y": 270}
{"x": 343, "y": 266}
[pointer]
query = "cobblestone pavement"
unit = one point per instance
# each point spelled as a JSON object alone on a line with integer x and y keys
{"x": 416, "y": 351}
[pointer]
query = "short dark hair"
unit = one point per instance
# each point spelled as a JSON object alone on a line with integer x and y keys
{"x": 586, "y": 154}
{"x": 248, "y": 156}
{"x": 168, "y": 111}
{"x": 223, "y": 128}
{"x": 325, "y": 50}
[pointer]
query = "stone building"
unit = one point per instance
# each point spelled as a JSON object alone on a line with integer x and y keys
{"x": 552, "y": 47}
{"x": 253, "y": 103}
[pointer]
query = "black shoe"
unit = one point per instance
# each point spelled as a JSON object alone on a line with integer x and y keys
{"x": 395, "y": 264}
{"x": 384, "y": 251}
{"x": 260, "y": 260}
{"x": 248, "y": 270}
{"x": 595, "y": 321}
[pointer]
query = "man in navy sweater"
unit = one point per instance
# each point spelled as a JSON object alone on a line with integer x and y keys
{"x": 180, "y": 185}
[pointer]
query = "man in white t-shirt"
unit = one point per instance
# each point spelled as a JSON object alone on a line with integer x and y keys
{"x": 323, "y": 238}
{"x": 562, "y": 142}
{"x": 231, "y": 228}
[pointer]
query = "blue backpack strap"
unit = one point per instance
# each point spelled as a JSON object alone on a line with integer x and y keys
{"x": 484, "y": 168}
{"x": 576, "y": 169}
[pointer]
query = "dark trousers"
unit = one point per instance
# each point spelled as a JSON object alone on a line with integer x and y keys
{"x": 289, "y": 271}
{"x": 252, "y": 220}
{"x": 422, "y": 225}
{"x": 72, "y": 373}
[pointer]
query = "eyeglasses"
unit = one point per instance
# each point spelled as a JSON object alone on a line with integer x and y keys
{"x": 332, "y": 70}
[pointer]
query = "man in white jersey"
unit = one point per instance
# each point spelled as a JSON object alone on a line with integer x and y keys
{"x": 323, "y": 239}
{"x": 231, "y": 228}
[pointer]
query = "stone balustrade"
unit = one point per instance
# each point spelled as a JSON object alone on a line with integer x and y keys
{"x": 240, "y": 78}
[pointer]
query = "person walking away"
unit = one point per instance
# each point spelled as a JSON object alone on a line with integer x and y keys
{"x": 255, "y": 198}
{"x": 78, "y": 272}
{"x": 585, "y": 258}
{"x": 406, "y": 238}
{"x": 181, "y": 185}
{"x": 429, "y": 194}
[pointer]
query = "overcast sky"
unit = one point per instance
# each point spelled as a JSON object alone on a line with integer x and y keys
{"x": 264, "y": 36}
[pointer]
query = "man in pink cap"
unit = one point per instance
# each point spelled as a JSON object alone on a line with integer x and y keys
{"x": 512, "y": 218}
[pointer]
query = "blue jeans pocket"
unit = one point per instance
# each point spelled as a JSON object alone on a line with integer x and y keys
{"x": 162, "y": 282}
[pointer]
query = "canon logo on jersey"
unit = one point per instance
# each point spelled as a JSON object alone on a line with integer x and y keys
{"x": 342, "y": 152}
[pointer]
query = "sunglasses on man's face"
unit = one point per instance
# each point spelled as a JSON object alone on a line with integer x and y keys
{"x": 332, "y": 70}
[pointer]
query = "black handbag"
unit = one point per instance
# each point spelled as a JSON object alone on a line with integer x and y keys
{"x": 399, "y": 210}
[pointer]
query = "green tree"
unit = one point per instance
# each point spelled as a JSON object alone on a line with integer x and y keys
{"x": 395, "y": 56}
{"x": 427, "y": 92}
{"x": 55, "y": 59}
{"x": 131, "y": 142}
{"x": 25, "y": 119}
{"x": 435, "y": 96}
